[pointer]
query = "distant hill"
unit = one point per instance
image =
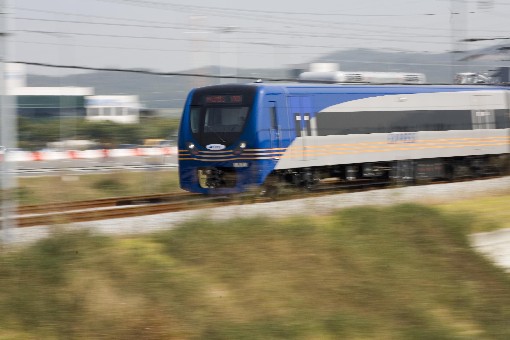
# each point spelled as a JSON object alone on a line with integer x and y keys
{"x": 160, "y": 92}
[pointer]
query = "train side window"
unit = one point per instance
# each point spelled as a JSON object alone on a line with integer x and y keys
{"x": 483, "y": 119}
{"x": 307, "y": 124}
{"x": 502, "y": 119}
{"x": 195, "y": 119}
{"x": 298, "y": 124}
{"x": 272, "y": 116}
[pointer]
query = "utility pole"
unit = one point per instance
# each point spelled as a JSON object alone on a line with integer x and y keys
{"x": 458, "y": 10}
{"x": 8, "y": 135}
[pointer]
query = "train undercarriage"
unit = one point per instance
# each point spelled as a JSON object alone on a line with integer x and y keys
{"x": 405, "y": 172}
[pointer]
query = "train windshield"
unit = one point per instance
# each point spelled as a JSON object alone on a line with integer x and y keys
{"x": 217, "y": 124}
{"x": 218, "y": 114}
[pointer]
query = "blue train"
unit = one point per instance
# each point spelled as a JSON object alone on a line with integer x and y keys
{"x": 240, "y": 136}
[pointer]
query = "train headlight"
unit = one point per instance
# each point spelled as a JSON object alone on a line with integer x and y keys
{"x": 192, "y": 148}
{"x": 240, "y": 148}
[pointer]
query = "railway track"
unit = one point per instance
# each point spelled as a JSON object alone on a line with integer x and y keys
{"x": 120, "y": 207}
{"x": 108, "y": 208}
{"x": 101, "y": 203}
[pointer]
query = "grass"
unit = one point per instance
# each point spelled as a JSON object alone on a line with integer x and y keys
{"x": 493, "y": 211}
{"x": 38, "y": 190}
{"x": 400, "y": 272}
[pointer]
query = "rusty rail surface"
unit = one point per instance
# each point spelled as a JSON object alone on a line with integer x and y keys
{"x": 114, "y": 207}
{"x": 106, "y": 213}
{"x": 119, "y": 207}
{"x": 99, "y": 203}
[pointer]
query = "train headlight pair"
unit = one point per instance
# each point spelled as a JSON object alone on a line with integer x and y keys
{"x": 240, "y": 148}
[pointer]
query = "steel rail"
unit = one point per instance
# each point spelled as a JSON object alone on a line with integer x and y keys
{"x": 100, "y": 203}
{"x": 108, "y": 213}
{"x": 121, "y": 207}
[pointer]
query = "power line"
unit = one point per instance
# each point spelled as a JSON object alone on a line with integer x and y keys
{"x": 389, "y": 36}
{"x": 149, "y": 72}
{"x": 357, "y": 32}
{"x": 485, "y": 39}
{"x": 265, "y": 18}
{"x": 159, "y": 25}
{"x": 356, "y": 38}
{"x": 294, "y": 33}
{"x": 169, "y": 50}
{"x": 100, "y": 23}
{"x": 240, "y": 30}
{"x": 145, "y": 3}
{"x": 203, "y": 75}
{"x": 252, "y": 16}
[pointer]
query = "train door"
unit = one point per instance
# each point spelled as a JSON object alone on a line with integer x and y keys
{"x": 276, "y": 115}
{"x": 304, "y": 124}
{"x": 274, "y": 124}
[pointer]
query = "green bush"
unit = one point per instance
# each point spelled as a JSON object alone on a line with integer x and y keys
{"x": 36, "y": 133}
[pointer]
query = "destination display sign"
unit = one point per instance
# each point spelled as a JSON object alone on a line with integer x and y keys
{"x": 224, "y": 99}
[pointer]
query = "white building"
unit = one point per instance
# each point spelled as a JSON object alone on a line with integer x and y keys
{"x": 118, "y": 109}
{"x": 40, "y": 102}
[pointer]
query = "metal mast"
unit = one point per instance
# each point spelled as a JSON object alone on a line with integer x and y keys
{"x": 8, "y": 135}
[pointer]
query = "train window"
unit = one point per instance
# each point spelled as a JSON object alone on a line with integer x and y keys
{"x": 342, "y": 123}
{"x": 502, "y": 119}
{"x": 217, "y": 124}
{"x": 225, "y": 119}
{"x": 195, "y": 119}
{"x": 298, "y": 124}
{"x": 272, "y": 116}
{"x": 307, "y": 124}
{"x": 483, "y": 119}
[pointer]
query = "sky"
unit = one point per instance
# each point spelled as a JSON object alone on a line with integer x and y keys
{"x": 177, "y": 36}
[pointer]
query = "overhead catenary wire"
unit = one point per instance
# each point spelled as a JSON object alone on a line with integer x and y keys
{"x": 149, "y": 37}
{"x": 260, "y": 31}
{"x": 149, "y": 72}
{"x": 369, "y": 35}
{"x": 240, "y": 42}
{"x": 160, "y": 73}
{"x": 360, "y": 27}
{"x": 365, "y": 32}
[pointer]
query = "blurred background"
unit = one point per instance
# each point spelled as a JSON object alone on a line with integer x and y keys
{"x": 126, "y": 61}
{"x": 265, "y": 39}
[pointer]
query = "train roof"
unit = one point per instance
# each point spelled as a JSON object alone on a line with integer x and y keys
{"x": 387, "y": 88}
